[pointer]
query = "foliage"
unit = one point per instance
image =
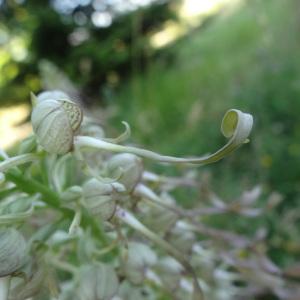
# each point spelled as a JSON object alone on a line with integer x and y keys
{"x": 96, "y": 58}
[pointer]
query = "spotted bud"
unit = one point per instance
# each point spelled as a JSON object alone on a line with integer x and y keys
{"x": 129, "y": 166}
{"x": 97, "y": 282}
{"x": 136, "y": 260}
{"x": 13, "y": 252}
{"x": 100, "y": 198}
{"x": 170, "y": 272}
{"x": 55, "y": 119}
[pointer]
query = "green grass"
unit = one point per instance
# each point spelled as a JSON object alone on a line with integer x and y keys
{"x": 248, "y": 60}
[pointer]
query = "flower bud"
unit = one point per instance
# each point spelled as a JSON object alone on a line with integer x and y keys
{"x": 16, "y": 211}
{"x": 30, "y": 287}
{"x": 13, "y": 252}
{"x": 129, "y": 165}
{"x": 136, "y": 260}
{"x": 182, "y": 239}
{"x": 158, "y": 218}
{"x": 170, "y": 272}
{"x": 97, "y": 282}
{"x": 131, "y": 291}
{"x": 100, "y": 198}
{"x": 55, "y": 119}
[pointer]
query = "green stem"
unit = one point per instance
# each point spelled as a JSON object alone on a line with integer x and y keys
{"x": 31, "y": 186}
{"x": 130, "y": 220}
{"x": 4, "y": 287}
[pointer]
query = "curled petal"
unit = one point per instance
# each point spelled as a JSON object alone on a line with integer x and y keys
{"x": 122, "y": 137}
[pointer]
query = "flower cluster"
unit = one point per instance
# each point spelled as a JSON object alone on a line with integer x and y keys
{"x": 82, "y": 219}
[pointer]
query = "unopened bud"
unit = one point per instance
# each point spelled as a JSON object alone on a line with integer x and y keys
{"x": 129, "y": 165}
{"x": 55, "y": 119}
{"x": 13, "y": 252}
{"x": 100, "y": 198}
{"x": 97, "y": 282}
{"x": 136, "y": 260}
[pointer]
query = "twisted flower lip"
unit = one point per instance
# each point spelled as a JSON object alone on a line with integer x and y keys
{"x": 236, "y": 125}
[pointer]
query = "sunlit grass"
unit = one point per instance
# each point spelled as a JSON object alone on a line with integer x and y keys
{"x": 230, "y": 63}
{"x": 191, "y": 13}
{"x": 11, "y": 130}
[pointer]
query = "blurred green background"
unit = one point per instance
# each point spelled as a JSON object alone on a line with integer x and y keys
{"x": 171, "y": 69}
